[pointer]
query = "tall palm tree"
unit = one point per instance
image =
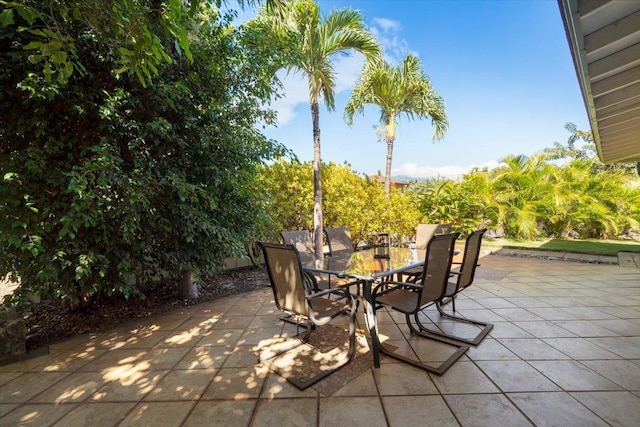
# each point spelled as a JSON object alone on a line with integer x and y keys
{"x": 398, "y": 90}
{"x": 313, "y": 41}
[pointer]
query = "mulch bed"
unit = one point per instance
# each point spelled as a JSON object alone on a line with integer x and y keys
{"x": 50, "y": 322}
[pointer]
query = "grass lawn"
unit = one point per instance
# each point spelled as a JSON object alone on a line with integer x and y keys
{"x": 589, "y": 246}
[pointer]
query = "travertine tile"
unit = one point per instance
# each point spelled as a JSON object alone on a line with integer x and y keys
{"x": 626, "y": 347}
{"x": 422, "y": 411}
{"x": 490, "y": 349}
{"x": 8, "y": 376}
{"x": 226, "y": 413}
{"x": 363, "y": 385}
{"x": 68, "y": 360}
{"x": 182, "y": 385}
{"x": 76, "y": 387}
{"x": 508, "y": 330}
{"x": 352, "y": 411}
{"x": 277, "y": 387}
{"x": 25, "y": 386}
{"x": 617, "y": 408}
{"x": 485, "y": 410}
{"x": 556, "y": 409}
{"x": 157, "y": 414}
{"x": 544, "y": 329}
{"x": 236, "y": 383}
{"x": 580, "y": 349}
{"x": 463, "y": 378}
{"x": 220, "y": 337}
{"x": 286, "y": 412}
{"x": 36, "y": 415}
{"x": 94, "y": 414}
{"x": 620, "y": 372}
{"x": 516, "y": 375}
{"x": 573, "y": 376}
{"x": 131, "y": 387}
{"x": 403, "y": 379}
{"x": 204, "y": 357}
{"x": 533, "y": 349}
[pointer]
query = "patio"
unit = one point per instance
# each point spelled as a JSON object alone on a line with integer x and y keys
{"x": 564, "y": 350}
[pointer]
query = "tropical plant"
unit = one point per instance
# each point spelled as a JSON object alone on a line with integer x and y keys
{"x": 106, "y": 183}
{"x": 352, "y": 200}
{"x": 459, "y": 203}
{"x": 521, "y": 191}
{"x": 531, "y": 197}
{"x": 398, "y": 90}
{"x": 136, "y": 31}
{"x": 311, "y": 42}
{"x": 591, "y": 204}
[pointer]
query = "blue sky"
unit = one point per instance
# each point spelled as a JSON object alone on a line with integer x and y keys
{"x": 503, "y": 68}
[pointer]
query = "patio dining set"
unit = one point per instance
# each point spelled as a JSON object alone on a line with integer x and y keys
{"x": 404, "y": 280}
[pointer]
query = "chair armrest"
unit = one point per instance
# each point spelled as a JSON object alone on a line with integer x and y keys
{"x": 342, "y": 291}
{"x": 310, "y": 281}
{"x": 406, "y": 285}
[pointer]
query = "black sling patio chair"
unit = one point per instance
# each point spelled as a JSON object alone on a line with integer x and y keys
{"x": 303, "y": 243}
{"x": 339, "y": 240}
{"x": 424, "y": 233}
{"x": 411, "y": 298}
{"x": 463, "y": 279}
{"x": 297, "y": 297}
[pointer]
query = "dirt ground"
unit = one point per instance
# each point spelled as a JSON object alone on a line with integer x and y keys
{"x": 49, "y": 322}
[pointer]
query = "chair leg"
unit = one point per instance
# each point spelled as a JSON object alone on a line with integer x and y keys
{"x": 352, "y": 332}
{"x": 486, "y": 327}
{"x": 307, "y": 333}
{"x": 438, "y": 370}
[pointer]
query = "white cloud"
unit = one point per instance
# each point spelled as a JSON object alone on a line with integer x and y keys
{"x": 387, "y": 24}
{"x": 412, "y": 170}
{"x": 347, "y": 69}
{"x": 394, "y": 47}
{"x": 296, "y": 91}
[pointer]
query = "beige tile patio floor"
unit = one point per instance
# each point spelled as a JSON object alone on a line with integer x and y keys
{"x": 565, "y": 350}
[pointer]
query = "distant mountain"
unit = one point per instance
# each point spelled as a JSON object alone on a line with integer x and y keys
{"x": 402, "y": 178}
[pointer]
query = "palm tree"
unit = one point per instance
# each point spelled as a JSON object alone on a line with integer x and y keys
{"x": 313, "y": 41}
{"x": 398, "y": 90}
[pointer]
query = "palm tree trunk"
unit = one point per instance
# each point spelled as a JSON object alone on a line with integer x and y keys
{"x": 317, "y": 184}
{"x": 387, "y": 173}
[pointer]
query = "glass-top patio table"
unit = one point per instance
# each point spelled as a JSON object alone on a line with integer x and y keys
{"x": 368, "y": 268}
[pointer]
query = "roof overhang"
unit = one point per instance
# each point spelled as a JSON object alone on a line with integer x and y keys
{"x": 604, "y": 38}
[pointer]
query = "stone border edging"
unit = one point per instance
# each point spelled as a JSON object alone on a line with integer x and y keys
{"x": 556, "y": 256}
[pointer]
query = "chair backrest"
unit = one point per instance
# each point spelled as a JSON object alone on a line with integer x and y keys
{"x": 303, "y": 242}
{"x": 470, "y": 258}
{"x": 424, "y": 233}
{"x": 339, "y": 240}
{"x": 285, "y": 275}
{"x": 437, "y": 267}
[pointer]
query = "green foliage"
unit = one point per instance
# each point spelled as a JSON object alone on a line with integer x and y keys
{"x": 106, "y": 183}
{"x": 530, "y": 198}
{"x": 351, "y": 200}
{"x": 448, "y": 202}
{"x": 135, "y": 30}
